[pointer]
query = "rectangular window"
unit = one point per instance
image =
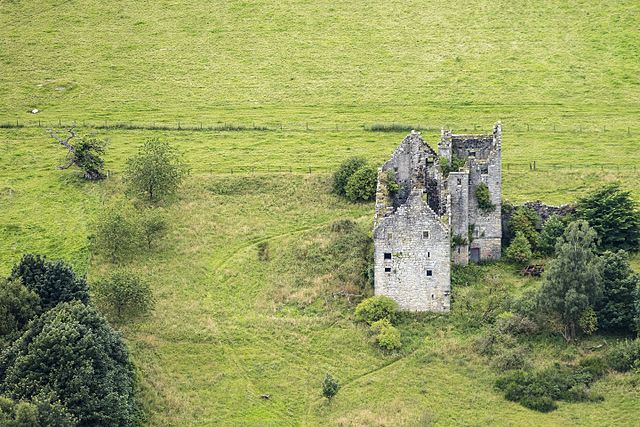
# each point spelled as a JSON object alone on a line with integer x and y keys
{"x": 387, "y": 255}
{"x": 429, "y": 273}
{"x": 387, "y": 269}
{"x": 428, "y": 254}
{"x": 425, "y": 234}
{"x": 459, "y": 181}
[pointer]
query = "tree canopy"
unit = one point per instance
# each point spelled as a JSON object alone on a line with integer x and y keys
{"x": 71, "y": 355}
{"x": 53, "y": 281}
{"x": 612, "y": 213}
{"x": 616, "y": 310}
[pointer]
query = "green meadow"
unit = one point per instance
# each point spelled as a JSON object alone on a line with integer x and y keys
{"x": 564, "y": 79}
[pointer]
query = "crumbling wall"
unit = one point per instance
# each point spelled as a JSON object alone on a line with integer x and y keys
{"x": 415, "y": 271}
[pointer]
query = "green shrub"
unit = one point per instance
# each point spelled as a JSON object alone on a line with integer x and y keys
{"x": 34, "y": 413}
{"x": 376, "y": 308}
{"x": 361, "y": 186}
{"x": 344, "y": 172}
{"x": 392, "y": 183}
{"x": 508, "y": 359}
{"x": 153, "y": 226}
{"x": 456, "y": 164}
{"x": 539, "y": 390}
{"x": 330, "y": 386}
{"x": 515, "y": 324}
{"x": 519, "y": 251}
{"x": 595, "y": 366}
{"x": 465, "y": 275}
{"x": 624, "y": 355}
{"x": 526, "y": 221}
{"x": 386, "y": 335}
{"x": 483, "y": 197}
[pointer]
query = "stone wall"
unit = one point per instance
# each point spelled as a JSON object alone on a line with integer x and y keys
{"x": 416, "y": 269}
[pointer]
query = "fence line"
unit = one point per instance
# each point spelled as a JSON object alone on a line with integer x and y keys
{"x": 312, "y": 127}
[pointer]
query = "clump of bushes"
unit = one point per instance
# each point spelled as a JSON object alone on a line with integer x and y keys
{"x": 539, "y": 390}
{"x": 625, "y": 356}
{"x": 386, "y": 335}
{"x": 330, "y": 386}
{"x": 355, "y": 180}
{"x": 456, "y": 164}
{"x": 123, "y": 297}
{"x": 380, "y": 312}
{"x": 376, "y": 308}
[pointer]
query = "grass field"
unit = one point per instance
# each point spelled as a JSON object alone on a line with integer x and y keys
{"x": 228, "y": 328}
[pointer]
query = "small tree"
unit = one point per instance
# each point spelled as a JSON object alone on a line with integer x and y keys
{"x": 519, "y": 251}
{"x": 525, "y": 220}
{"x": 616, "y": 309}
{"x": 123, "y": 297}
{"x": 153, "y": 226}
{"x": 53, "y": 281}
{"x": 18, "y": 305}
{"x": 573, "y": 282}
{"x": 85, "y": 154}
{"x": 156, "y": 172}
{"x": 553, "y": 228}
{"x": 612, "y": 213}
{"x": 361, "y": 186}
{"x": 344, "y": 172}
{"x": 483, "y": 198}
{"x": 117, "y": 234}
{"x": 330, "y": 386}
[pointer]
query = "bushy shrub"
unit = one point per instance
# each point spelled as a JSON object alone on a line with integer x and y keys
{"x": 596, "y": 366}
{"x": 508, "y": 359}
{"x": 263, "y": 251}
{"x": 344, "y": 172}
{"x": 519, "y": 251}
{"x": 386, "y": 335}
{"x": 330, "y": 386}
{"x": 53, "y": 281}
{"x": 465, "y": 275}
{"x": 526, "y": 221}
{"x": 361, "y": 186}
{"x": 539, "y": 390}
{"x": 123, "y": 297}
{"x": 483, "y": 197}
{"x": 515, "y": 324}
{"x": 376, "y": 308}
{"x": 624, "y": 355}
{"x": 456, "y": 164}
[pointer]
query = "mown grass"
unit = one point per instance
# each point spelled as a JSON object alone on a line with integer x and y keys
{"x": 563, "y": 78}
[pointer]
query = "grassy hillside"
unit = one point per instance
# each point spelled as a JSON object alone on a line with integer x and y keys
{"x": 563, "y": 78}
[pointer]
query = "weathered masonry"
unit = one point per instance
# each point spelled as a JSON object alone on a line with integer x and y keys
{"x": 432, "y": 208}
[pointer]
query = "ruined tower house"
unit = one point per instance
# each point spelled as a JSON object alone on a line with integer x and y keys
{"x": 428, "y": 214}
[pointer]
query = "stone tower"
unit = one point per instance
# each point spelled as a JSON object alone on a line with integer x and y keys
{"x": 425, "y": 218}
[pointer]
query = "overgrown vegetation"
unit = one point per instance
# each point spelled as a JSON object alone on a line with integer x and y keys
{"x": 483, "y": 197}
{"x": 454, "y": 166}
{"x": 123, "y": 297}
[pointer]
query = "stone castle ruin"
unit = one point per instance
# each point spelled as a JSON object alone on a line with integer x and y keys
{"x": 434, "y": 208}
